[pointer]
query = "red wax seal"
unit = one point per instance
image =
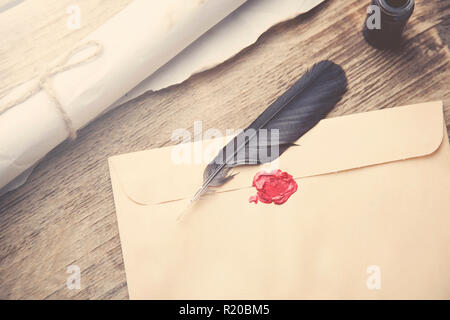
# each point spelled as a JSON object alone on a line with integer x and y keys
{"x": 276, "y": 186}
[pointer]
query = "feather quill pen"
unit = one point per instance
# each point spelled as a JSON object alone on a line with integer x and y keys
{"x": 293, "y": 114}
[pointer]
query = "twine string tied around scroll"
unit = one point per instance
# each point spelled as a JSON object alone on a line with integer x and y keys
{"x": 44, "y": 82}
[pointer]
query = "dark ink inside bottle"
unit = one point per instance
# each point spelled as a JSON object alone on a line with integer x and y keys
{"x": 385, "y": 22}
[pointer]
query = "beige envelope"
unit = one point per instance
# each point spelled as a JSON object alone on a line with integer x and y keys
{"x": 370, "y": 220}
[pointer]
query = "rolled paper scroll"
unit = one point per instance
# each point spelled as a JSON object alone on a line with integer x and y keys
{"x": 233, "y": 34}
{"x": 136, "y": 42}
{"x": 171, "y": 41}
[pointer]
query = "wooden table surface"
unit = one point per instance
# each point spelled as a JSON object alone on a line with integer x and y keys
{"x": 65, "y": 214}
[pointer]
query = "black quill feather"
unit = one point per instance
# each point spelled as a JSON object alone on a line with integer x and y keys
{"x": 293, "y": 114}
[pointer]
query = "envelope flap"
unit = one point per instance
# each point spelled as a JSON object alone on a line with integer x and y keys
{"x": 336, "y": 144}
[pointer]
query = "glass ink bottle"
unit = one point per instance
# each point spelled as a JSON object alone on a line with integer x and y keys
{"x": 385, "y": 22}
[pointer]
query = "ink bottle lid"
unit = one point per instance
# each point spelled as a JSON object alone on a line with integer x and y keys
{"x": 385, "y": 22}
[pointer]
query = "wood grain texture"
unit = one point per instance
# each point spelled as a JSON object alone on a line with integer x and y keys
{"x": 65, "y": 214}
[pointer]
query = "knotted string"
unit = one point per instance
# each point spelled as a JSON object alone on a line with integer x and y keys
{"x": 44, "y": 82}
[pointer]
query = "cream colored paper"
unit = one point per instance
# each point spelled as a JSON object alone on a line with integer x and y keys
{"x": 373, "y": 195}
{"x": 161, "y": 30}
{"x": 137, "y": 42}
{"x": 236, "y": 32}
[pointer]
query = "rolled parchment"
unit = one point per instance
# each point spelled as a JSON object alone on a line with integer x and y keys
{"x": 166, "y": 47}
{"x": 136, "y": 42}
{"x": 236, "y": 32}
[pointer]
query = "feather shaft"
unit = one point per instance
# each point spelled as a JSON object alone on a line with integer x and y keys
{"x": 293, "y": 114}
